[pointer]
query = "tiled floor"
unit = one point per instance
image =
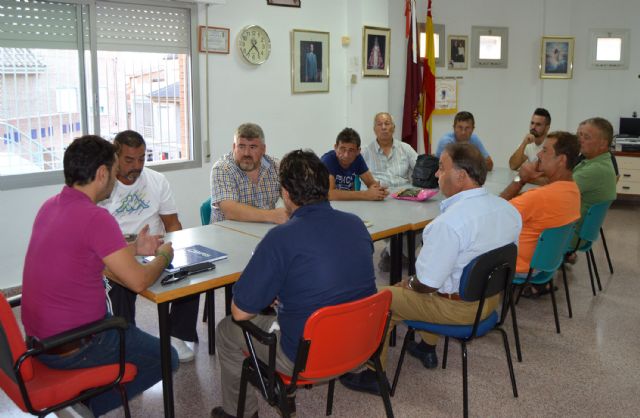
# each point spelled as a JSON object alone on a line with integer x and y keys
{"x": 590, "y": 369}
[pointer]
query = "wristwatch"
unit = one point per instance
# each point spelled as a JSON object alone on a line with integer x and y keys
{"x": 517, "y": 179}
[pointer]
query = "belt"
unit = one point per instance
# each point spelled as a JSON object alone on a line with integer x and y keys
{"x": 70, "y": 347}
{"x": 452, "y": 296}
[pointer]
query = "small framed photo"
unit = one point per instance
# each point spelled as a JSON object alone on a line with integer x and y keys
{"x": 309, "y": 61}
{"x": 458, "y": 51}
{"x": 376, "y": 51}
{"x": 213, "y": 39}
{"x": 284, "y": 3}
{"x": 556, "y": 57}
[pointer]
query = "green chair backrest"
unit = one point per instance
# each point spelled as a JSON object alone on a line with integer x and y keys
{"x": 205, "y": 212}
{"x": 551, "y": 247}
{"x": 593, "y": 220}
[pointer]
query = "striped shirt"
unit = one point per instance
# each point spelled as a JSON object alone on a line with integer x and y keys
{"x": 393, "y": 170}
{"x": 229, "y": 182}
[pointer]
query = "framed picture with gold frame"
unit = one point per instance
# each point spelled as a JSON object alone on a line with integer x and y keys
{"x": 556, "y": 57}
{"x": 309, "y": 61}
{"x": 213, "y": 39}
{"x": 446, "y": 96}
{"x": 376, "y": 50}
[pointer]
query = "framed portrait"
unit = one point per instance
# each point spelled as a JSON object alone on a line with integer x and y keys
{"x": 213, "y": 39}
{"x": 458, "y": 52}
{"x": 309, "y": 61}
{"x": 376, "y": 51}
{"x": 556, "y": 57}
{"x": 284, "y": 3}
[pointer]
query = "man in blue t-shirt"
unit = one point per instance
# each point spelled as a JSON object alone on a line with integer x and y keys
{"x": 463, "y": 126}
{"x": 296, "y": 274}
{"x": 345, "y": 164}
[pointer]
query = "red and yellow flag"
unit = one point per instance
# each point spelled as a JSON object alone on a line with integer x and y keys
{"x": 428, "y": 90}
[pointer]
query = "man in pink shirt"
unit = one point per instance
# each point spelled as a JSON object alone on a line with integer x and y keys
{"x": 72, "y": 241}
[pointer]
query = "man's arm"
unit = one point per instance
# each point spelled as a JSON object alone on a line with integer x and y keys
{"x": 240, "y": 315}
{"x": 241, "y": 212}
{"x": 373, "y": 192}
{"x": 518, "y": 157}
{"x": 171, "y": 222}
{"x": 127, "y": 271}
{"x": 489, "y": 162}
{"x": 528, "y": 174}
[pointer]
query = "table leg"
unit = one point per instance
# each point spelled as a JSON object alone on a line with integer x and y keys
{"x": 210, "y": 309}
{"x": 395, "y": 275}
{"x": 165, "y": 359}
{"x": 228, "y": 297}
{"x": 411, "y": 251}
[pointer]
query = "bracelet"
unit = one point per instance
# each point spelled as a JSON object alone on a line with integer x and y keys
{"x": 166, "y": 257}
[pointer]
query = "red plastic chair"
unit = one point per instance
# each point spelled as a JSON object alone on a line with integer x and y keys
{"x": 336, "y": 339}
{"x": 40, "y": 390}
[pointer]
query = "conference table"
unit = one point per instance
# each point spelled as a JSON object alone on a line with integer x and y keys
{"x": 390, "y": 218}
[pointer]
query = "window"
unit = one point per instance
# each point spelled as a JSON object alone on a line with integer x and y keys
{"x": 438, "y": 42}
{"x": 609, "y": 49}
{"x": 489, "y": 46}
{"x": 141, "y": 66}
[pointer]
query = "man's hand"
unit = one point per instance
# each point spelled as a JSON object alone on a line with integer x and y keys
{"x": 376, "y": 192}
{"x": 147, "y": 244}
{"x": 279, "y": 216}
{"x": 528, "y": 138}
{"x": 529, "y": 171}
{"x": 404, "y": 283}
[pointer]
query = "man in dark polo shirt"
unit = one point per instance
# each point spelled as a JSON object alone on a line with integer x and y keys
{"x": 320, "y": 257}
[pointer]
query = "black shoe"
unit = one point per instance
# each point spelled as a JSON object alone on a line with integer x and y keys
{"x": 364, "y": 381}
{"x": 428, "y": 357}
{"x": 291, "y": 403}
{"x": 385, "y": 262}
{"x": 218, "y": 412}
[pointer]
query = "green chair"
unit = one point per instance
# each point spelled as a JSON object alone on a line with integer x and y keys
{"x": 588, "y": 234}
{"x": 205, "y": 212}
{"x": 547, "y": 258}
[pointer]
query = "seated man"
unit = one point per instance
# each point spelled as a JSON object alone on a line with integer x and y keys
{"x": 463, "y": 126}
{"x": 532, "y": 143}
{"x": 548, "y": 206}
{"x": 472, "y": 222}
{"x": 298, "y": 274}
{"x": 71, "y": 243}
{"x": 142, "y": 197}
{"x": 344, "y": 164}
{"x": 391, "y": 163}
{"x": 244, "y": 183}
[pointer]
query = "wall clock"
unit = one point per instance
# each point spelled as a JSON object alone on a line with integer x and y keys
{"x": 254, "y": 44}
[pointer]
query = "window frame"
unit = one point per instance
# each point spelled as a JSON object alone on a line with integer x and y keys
{"x": 55, "y": 177}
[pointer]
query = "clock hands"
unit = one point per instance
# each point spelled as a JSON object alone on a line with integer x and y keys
{"x": 253, "y": 46}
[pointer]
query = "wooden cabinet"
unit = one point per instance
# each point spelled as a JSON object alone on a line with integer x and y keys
{"x": 629, "y": 168}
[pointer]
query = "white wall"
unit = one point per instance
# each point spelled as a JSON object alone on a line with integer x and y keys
{"x": 502, "y": 100}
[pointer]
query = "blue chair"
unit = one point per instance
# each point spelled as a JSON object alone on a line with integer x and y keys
{"x": 487, "y": 275}
{"x": 546, "y": 259}
{"x": 205, "y": 212}
{"x": 589, "y": 231}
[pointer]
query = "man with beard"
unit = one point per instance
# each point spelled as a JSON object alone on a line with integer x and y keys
{"x": 244, "y": 182}
{"x": 142, "y": 198}
{"x": 71, "y": 243}
{"x": 532, "y": 143}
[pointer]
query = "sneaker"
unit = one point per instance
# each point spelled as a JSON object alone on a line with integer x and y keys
{"x": 364, "y": 381}
{"x": 77, "y": 410}
{"x": 185, "y": 353}
{"x": 420, "y": 351}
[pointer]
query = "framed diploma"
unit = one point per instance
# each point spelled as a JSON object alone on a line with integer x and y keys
{"x": 213, "y": 39}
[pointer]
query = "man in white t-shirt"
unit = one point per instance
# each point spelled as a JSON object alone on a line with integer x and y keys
{"x": 532, "y": 143}
{"x": 143, "y": 197}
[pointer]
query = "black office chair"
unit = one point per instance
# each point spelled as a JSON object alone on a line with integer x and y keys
{"x": 487, "y": 275}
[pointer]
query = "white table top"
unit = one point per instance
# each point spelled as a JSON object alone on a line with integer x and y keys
{"x": 238, "y": 246}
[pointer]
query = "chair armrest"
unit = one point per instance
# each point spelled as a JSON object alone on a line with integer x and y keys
{"x": 15, "y": 301}
{"x": 114, "y": 322}
{"x": 259, "y": 334}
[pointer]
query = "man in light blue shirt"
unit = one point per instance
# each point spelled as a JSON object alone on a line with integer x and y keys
{"x": 472, "y": 222}
{"x": 463, "y": 126}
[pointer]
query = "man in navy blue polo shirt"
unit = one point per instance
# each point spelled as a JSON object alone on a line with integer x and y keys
{"x": 345, "y": 165}
{"x": 301, "y": 266}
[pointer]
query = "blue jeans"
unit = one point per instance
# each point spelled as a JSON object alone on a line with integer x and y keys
{"x": 141, "y": 349}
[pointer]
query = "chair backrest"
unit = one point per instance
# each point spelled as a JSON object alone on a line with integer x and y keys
{"x": 342, "y": 337}
{"x": 593, "y": 220}
{"x": 205, "y": 212}
{"x": 12, "y": 346}
{"x": 551, "y": 247}
{"x": 488, "y": 274}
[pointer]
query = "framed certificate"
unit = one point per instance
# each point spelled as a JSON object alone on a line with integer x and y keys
{"x": 213, "y": 39}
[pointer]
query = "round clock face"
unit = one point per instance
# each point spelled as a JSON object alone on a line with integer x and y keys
{"x": 254, "y": 44}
